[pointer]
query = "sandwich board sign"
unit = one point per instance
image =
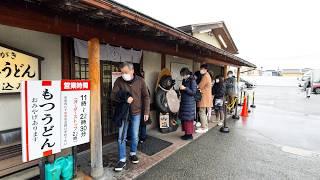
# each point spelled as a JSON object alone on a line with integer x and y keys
{"x": 40, "y": 119}
{"x": 75, "y": 114}
{"x": 55, "y": 115}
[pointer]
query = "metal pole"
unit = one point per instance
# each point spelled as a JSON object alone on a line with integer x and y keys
{"x": 42, "y": 163}
{"x": 249, "y": 111}
{"x": 95, "y": 108}
{"x": 224, "y": 128}
{"x": 253, "y": 105}
{"x": 74, "y": 154}
{"x": 240, "y": 101}
{"x": 236, "y": 116}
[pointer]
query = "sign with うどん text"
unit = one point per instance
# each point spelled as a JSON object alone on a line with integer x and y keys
{"x": 164, "y": 120}
{"x": 75, "y": 112}
{"x": 16, "y": 66}
{"x": 40, "y": 119}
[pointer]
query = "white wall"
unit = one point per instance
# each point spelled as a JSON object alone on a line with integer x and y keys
{"x": 175, "y": 70}
{"x": 208, "y": 39}
{"x": 42, "y": 44}
{"x": 152, "y": 68}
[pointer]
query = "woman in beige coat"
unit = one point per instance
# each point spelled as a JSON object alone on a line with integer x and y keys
{"x": 205, "y": 103}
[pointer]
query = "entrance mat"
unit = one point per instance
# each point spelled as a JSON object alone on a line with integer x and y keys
{"x": 153, "y": 145}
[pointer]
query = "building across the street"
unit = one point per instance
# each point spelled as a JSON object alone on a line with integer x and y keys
{"x": 46, "y": 40}
{"x": 292, "y": 72}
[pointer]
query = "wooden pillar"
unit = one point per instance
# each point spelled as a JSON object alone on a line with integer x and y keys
{"x": 95, "y": 107}
{"x": 225, "y": 71}
{"x": 163, "y": 60}
{"x": 238, "y": 74}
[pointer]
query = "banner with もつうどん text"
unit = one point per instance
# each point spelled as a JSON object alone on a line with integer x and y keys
{"x": 55, "y": 115}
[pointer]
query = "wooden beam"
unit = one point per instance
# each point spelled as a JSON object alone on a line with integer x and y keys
{"x": 238, "y": 74}
{"x": 40, "y": 20}
{"x": 225, "y": 72}
{"x": 95, "y": 107}
{"x": 163, "y": 60}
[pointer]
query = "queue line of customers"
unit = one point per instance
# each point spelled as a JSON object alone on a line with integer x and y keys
{"x": 213, "y": 94}
{"x": 132, "y": 97}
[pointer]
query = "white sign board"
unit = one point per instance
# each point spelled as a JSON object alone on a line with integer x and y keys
{"x": 15, "y": 67}
{"x": 40, "y": 119}
{"x": 164, "y": 120}
{"x": 75, "y": 112}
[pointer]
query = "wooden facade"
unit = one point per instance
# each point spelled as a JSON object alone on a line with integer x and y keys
{"x": 105, "y": 22}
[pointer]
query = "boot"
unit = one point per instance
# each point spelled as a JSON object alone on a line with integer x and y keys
{"x": 187, "y": 137}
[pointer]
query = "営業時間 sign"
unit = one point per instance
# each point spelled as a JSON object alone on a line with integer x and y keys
{"x": 16, "y": 66}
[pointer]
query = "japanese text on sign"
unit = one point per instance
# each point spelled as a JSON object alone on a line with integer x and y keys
{"x": 55, "y": 115}
{"x": 40, "y": 119}
{"x": 75, "y": 96}
{"x": 16, "y": 67}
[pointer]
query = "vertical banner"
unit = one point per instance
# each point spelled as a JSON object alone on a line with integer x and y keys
{"x": 40, "y": 119}
{"x": 75, "y": 112}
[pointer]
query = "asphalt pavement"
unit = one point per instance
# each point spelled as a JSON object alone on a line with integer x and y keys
{"x": 279, "y": 140}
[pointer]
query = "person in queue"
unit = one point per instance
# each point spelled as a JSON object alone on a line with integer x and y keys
{"x": 230, "y": 84}
{"x": 138, "y": 97}
{"x": 187, "y": 109}
{"x": 219, "y": 91}
{"x": 205, "y": 103}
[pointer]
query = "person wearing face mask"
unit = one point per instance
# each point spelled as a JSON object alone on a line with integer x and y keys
{"x": 230, "y": 84}
{"x": 139, "y": 97}
{"x": 187, "y": 109}
{"x": 219, "y": 91}
{"x": 205, "y": 103}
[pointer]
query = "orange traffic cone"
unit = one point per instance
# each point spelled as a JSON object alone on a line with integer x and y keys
{"x": 244, "y": 111}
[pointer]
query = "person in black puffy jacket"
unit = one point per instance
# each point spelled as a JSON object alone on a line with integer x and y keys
{"x": 188, "y": 103}
{"x": 219, "y": 91}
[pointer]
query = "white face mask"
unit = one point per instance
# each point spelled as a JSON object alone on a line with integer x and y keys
{"x": 203, "y": 71}
{"x": 126, "y": 77}
{"x": 217, "y": 80}
{"x": 230, "y": 75}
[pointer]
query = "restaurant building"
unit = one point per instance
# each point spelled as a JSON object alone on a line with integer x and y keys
{"x": 47, "y": 39}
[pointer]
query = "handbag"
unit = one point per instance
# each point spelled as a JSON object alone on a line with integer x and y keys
{"x": 198, "y": 95}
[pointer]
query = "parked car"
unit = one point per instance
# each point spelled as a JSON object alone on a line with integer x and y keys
{"x": 315, "y": 81}
{"x": 304, "y": 79}
{"x": 246, "y": 84}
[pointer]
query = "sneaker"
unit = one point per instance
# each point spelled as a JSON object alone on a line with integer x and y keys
{"x": 206, "y": 130}
{"x": 220, "y": 124}
{"x": 142, "y": 140}
{"x": 200, "y": 130}
{"x": 120, "y": 165}
{"x": 134, "y": 159}
{"x": 187, "y": 137}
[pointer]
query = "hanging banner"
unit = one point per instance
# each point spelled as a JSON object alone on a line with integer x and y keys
{"x": 16, "y": 66}
{"x": 75, "y": 113}
{"x": 40, "y": 119}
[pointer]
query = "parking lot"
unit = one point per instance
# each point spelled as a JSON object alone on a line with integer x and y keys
{"x": 279, "y": 140}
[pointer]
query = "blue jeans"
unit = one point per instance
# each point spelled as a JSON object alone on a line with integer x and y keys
{"x": 134, "y": 130}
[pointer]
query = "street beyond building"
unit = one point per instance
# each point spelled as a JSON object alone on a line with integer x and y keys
{"x": 279, "y": 140}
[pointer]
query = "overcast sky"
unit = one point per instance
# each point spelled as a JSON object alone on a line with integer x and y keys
{"x": 269, "y": 33}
